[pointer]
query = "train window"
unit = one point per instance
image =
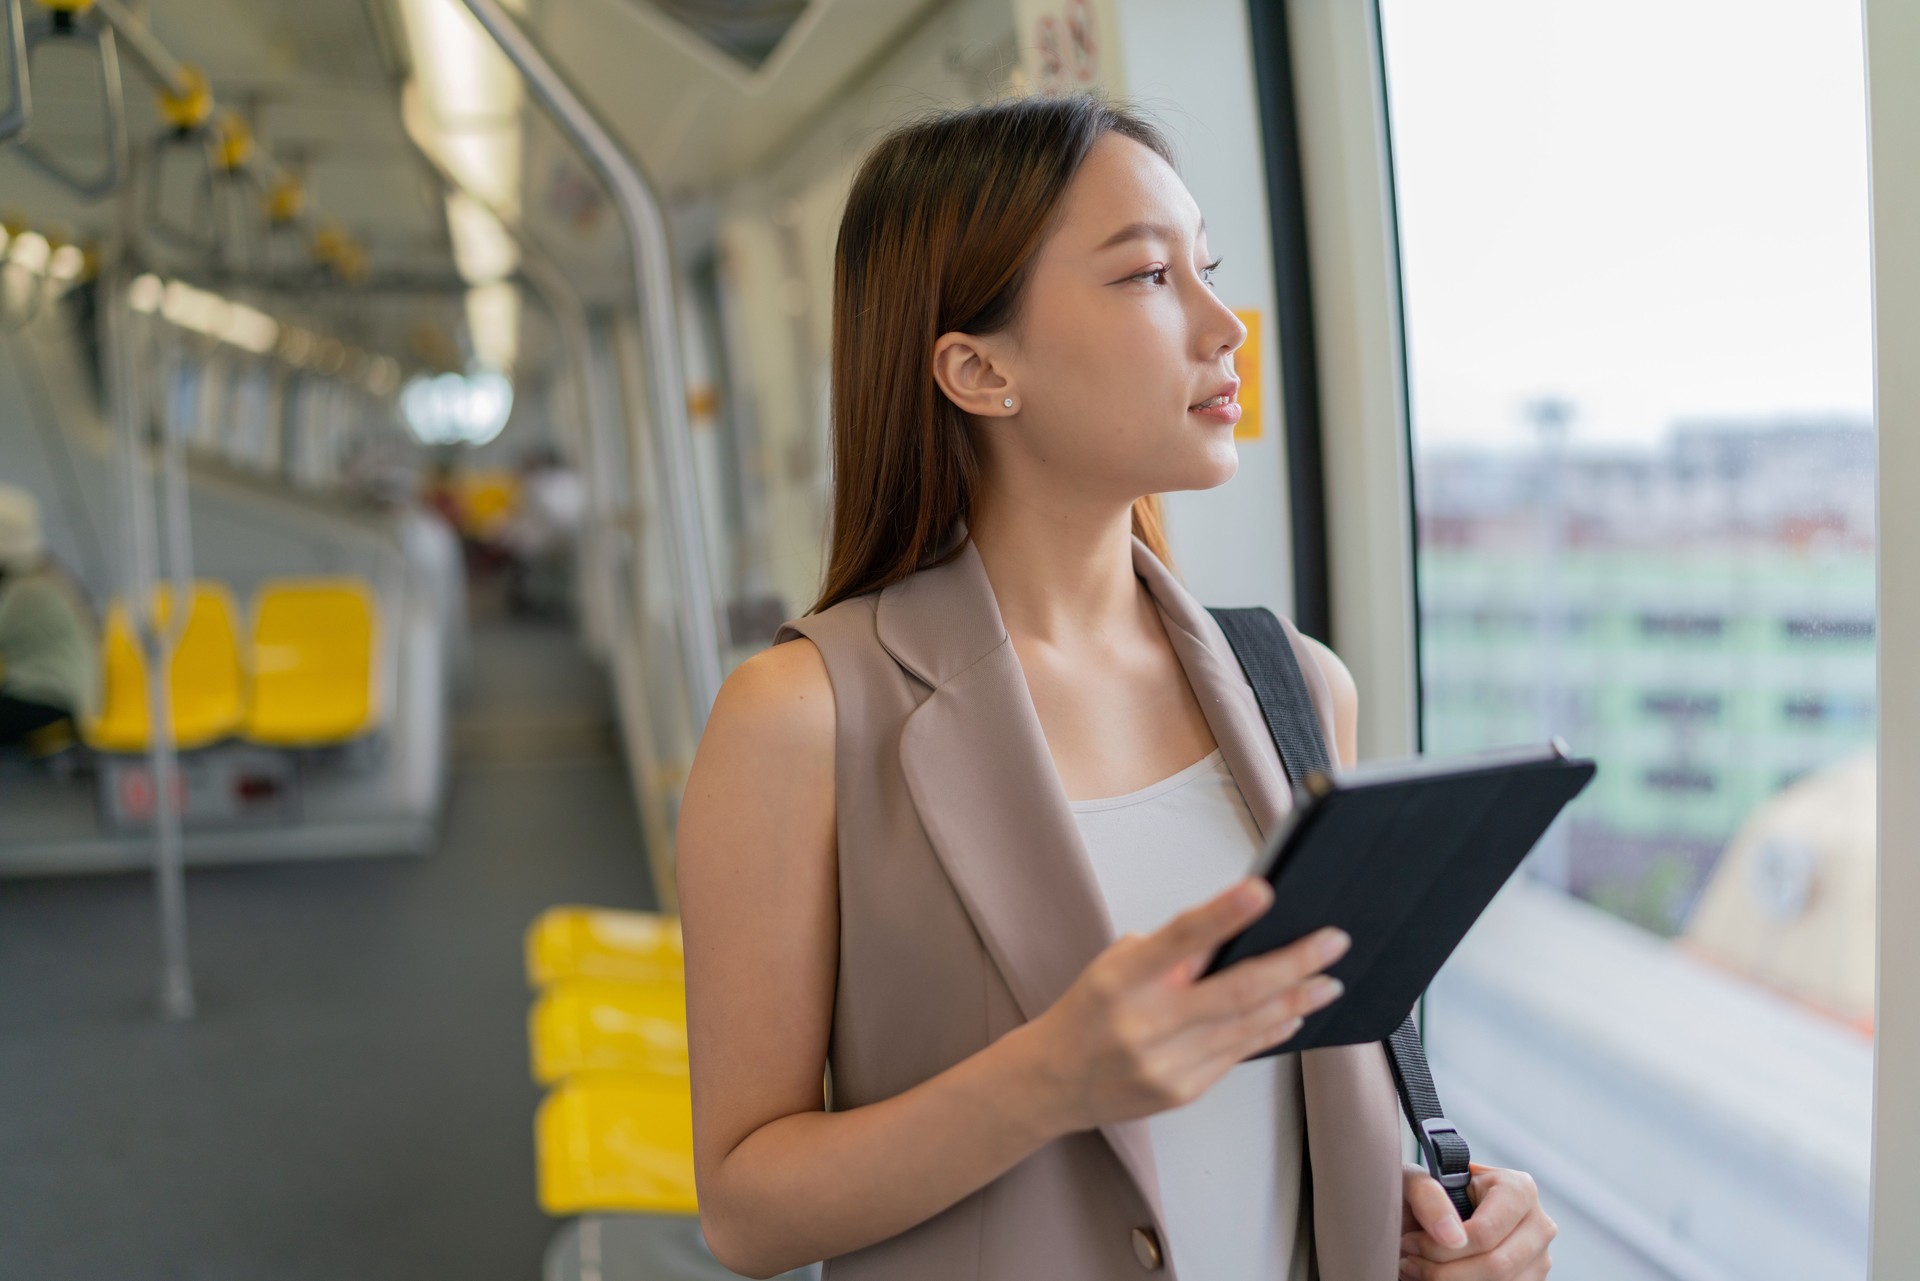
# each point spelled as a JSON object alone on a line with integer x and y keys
{"x": 1635, "y": 281}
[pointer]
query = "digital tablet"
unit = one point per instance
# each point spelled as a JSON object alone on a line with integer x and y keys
{"x": 1403, "y": 856}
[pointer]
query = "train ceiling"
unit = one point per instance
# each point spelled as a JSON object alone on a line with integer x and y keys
{"x": 700, "y": 91}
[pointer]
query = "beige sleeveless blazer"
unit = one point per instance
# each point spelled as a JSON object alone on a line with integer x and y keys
{"x": 967, "y": 906}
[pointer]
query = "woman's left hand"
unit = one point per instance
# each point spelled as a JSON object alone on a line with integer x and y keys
{"x": 1505, "y": 1240}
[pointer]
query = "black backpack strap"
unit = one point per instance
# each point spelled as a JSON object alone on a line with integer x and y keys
{"x": 1266, "y": 656}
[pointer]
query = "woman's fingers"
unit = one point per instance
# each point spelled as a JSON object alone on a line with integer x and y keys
{"x": 1249, "y": 985}
{"x": 1522, "y": 1256}
{"x": 1505, "y": 1240}
{"x": 1217, "y": 1044}
{"x": 1434, "y": 1212}
{"x": 1196, "y": 931}
{"x": 1178, "y": 1035}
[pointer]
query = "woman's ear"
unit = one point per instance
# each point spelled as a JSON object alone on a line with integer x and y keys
{"x": 965, "y": 372}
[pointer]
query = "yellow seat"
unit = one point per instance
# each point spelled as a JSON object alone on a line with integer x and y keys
{"x": 598, "y": 943}
{"x": 204, "y": 676}
{"x": 486, "y": 500}
{"x": 616, "y": 1143}
{"x": 581, "y": 1025}
{"x": 312, "y": 651}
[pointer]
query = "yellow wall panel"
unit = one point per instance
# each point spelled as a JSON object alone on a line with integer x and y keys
{"x": 1246, "y": 364}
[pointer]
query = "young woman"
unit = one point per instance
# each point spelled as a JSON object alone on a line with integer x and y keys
{"x": 965, "y": 841}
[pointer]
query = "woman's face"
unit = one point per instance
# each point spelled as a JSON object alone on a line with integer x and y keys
{"x": 1119, "y": 337}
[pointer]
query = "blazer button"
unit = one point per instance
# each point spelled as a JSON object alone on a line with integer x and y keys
{"x": 1146, "y": 1248}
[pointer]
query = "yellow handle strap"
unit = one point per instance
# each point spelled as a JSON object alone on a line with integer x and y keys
{"x": 234, "y": 142}
{"x": 190, "y": 109}
{"x": 286, "y": 199}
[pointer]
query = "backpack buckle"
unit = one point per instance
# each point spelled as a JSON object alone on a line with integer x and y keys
{"x": 1446, "y": 1161}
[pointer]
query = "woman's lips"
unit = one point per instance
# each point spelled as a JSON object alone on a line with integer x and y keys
{"x": 1228, "y": 413}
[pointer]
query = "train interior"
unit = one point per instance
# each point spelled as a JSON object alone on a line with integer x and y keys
{"x": 411, "y": 410}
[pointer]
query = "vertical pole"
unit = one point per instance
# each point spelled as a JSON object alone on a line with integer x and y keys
{"x": 659, "y": 329}
{"x": 139, "y": 539}
{"x": 1893, "y": 129}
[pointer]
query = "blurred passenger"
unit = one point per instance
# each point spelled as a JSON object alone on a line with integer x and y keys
{"x": 49, "y": 647}
{"x": 541, "y": 534}
{"x": 442, "y": 490}
{"x": 382, "y": 468}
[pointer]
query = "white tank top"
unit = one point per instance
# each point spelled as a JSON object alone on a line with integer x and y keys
{"x": 1230, "y": 1162}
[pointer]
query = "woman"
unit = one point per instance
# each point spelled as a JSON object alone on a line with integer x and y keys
{"x": 1004, "y": 735}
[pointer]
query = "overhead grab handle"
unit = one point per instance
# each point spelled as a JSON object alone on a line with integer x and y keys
{"x": 71, "y": 21}
{"x": 244, "y": 200}
{"x": 184, "y": 152}
{"x": 284, "y": 247}
{"x": 19, "y": 92}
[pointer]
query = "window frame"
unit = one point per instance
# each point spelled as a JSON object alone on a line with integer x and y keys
{"x": 1337, "y": 104}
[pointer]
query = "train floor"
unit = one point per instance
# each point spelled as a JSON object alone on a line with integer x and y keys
{"x": 353, "y": 1099}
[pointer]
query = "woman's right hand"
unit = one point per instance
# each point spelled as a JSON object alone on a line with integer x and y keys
{"x": 1139, "y": 1033}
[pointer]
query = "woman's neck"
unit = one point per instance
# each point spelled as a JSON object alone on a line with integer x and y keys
{"x": 1058, "y": 575}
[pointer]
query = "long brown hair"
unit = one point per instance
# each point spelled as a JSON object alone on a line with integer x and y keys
{"x": 941, "y": 229}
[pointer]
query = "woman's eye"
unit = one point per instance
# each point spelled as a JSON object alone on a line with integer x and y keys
{"x": 1158, "y": 275}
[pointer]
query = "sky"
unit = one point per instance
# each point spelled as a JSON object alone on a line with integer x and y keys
{"x": 1652, "y": 208}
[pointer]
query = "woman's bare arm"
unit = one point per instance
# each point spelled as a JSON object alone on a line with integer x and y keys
{"x": 782, "y": 1182}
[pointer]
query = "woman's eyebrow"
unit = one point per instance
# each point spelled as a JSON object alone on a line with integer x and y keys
{"x": 1143, "y": 230}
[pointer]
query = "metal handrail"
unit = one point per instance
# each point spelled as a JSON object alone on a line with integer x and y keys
{"x": 186, "y": 99}
{"x": 609, "y": 514}
{"x": 20, "y": 93}
{"x": 145, "y": 49}
{"x": 222, "y": 171}
{"x": 64, "y": 24}
{"x": 646, "y": 227}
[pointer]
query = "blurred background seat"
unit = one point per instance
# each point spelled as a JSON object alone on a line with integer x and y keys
{"x": 312, "y": 651}
{"x": 206, "y": 685}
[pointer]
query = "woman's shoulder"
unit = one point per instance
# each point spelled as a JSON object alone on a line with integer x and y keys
{"x": 1344, "y": 696}
{"x": 845, "y": 622}
{"x": 1339, "y": 679}
{"x": 783, "y": 693}
{"x": 825, "y": 661}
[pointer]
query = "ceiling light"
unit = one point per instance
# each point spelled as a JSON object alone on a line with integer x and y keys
{"x": 483, "y": 251}
{"x": 457, "y": 409}
{"x": 30, "y": 250}
{"x": 254, "y": 330}
{"x": 493, "y": 325}
{"x": 144, "y": 293}
{"x": 67, "y": 263}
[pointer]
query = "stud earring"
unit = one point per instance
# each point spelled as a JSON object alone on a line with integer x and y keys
{"x": 1008, "y": 402}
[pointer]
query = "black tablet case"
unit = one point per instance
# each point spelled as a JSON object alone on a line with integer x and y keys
{"x": 1404, "y": 867}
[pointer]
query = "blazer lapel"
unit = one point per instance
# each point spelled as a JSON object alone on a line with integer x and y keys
{"x": 983, "y": 782}
{"x": 1225, "y": 697}
{"x": 1353, "y": 1114}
